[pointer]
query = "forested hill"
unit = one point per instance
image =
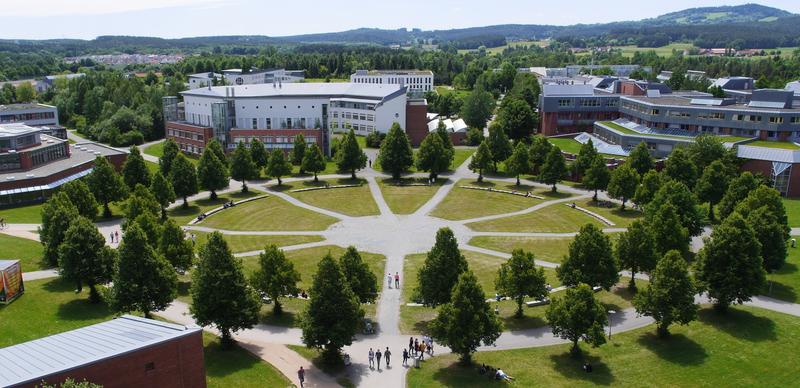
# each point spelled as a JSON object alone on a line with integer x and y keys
{"x": 720, "y": 15}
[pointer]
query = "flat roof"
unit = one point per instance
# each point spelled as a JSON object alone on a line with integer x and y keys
{"x": 33, "y": 360}
{"x": 304, "y": 89}
{"x": 80, "y": 153}
{"x": 29, "y": 106}
{"x": 7, "y": 263}
{"x": 395, "y": 72}
{"x": 16, "y": 129}
{"x": 686, "y": 102}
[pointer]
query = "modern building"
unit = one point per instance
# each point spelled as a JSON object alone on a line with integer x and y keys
{"x": 456, "y": 128}
{"x": 417, "y": 82}
{"x": 277, "y": 112}
{"x": 124, "y": 352}
{"x": 574, "y": 108}
{"x": 240, "y": 77}
{"x": 32, "y": 163}
{"x": 29, "y": 113}
{"x": 50, "y": 80}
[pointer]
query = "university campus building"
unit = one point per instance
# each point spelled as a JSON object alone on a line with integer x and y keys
{"x": 275, "y": 113}
{"x": 240, "y": 77}
{"x": 418, "y": 82}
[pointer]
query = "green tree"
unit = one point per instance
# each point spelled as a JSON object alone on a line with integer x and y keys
{"x": 729, "y": 265}
{"x": 647, "y": 188}
{"x": 665, "y": 223}
{"x": 516, "y": 118}
{"x": 220, "y": 293}
{"x": 333, "y": 315}
{"x": 141, "y": 201}
{"x": 690, "y": 214}
{"x": 578, "y": 315}
{"x": 481, "y": 160}
{"x": 680, "y": 167}
{"x": 298, "y": 151}
{"x": 770, "y": 234}
{"x": 705, "y": 150}
{"x": 314, "y": 161}
{"x": 83, "y": 257}
{"x": 597, "y": 176}
{"x": 519, "y": 277}
{"x": 25, "y": 92}
{"x": 670, "y": 296}
{"x": 215, "y": 147}
{"x": 58, "y": 213}
{"x": 433, "y": 156}
{"x": 242, "y": 165}
{"x": 145, "y": 280}
{"x": 184, "y": 178}
{"x": 712, "y": 185}
{"x": 361, "y": 279}
{"x": 441, "y": 130}
{"x": 349, "y": 156}
{"x": 590, "y": 260}
{"x": 586, "y": 156}
{"x": 174, "y": 246}
{"x": 554, "y": 168}
{"x": 738, "y": 189}
{"x": 135, "y": 170}
{"x": 395, "y": 155}
{"x": 168, "y": 155}
{"x": 519, "y": 162}
{"x": 441, "y": 269}
{"x": 477, "y": 108}
{"x": 278, "y": 166}
{"x": 540, "y": 148}
{"x": 83, "y": 199}
{"x": 623, "y": 183}
{"x": 499, "y": 145}
{"x": 106, "y": 185}
{"x": 640, "y": 159}
{"x": 768, "y": 197}
{"x": 212, "y": 172}
{"x": 636, "y": 250}
{"x": 163, "y": 192}
{"x": 259, "y": 155}
{"x": 467, "y": 320}
{"x": 275, "y": 276}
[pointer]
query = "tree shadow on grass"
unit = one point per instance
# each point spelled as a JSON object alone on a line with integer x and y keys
{"x": 677, "y": 348}
{"x": 83, "y": 310}
{"x": 222, "y": 362}
{"x": 550, "y": 194}
{"x": 526, "y": 322}
{"x": 780, "y": 290}
{"x": 740, "y": 324}
{"x": 460, "y": 375}
{"x": 571, "y": 367}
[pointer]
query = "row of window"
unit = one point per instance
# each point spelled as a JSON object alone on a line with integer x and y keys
{"x": 185, "y": 134}
{"x": 355, "y": 116}
{"x": 707, "y": 115}
{"x": 281, "y": 123}
{"x": 11, "y": 118}
{"x": 268, "y": 140}
{"x": 356, "y": 127}
{"x": 44, "y": 155}
{"x": 585, "y": 102}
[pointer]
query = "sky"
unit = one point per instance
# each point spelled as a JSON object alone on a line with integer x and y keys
{"x": 87, "y": 19}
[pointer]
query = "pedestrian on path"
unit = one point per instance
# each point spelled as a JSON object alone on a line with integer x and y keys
{"x": 378, "y": 358}
{"x": 416, "y": 346}
{"x": 371, "y": 358}
{"x": 405, "y": 357}
{"x": 389, "y": 278}
{"x": 301, "y": 375}
{"x": 388, "y": 355}
{"x": 116, "y": 235}
{"x": 410, "y": 344}
{"x": 422, "y": 350}
{"x": 397, "y": 280}
{"x": 112, "y": 237}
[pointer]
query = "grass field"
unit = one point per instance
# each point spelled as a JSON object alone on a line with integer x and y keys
{"x": 663, "y": 51}
{"x": 499, "y": 49}
{"x": 462, "y": 204}
{"x": 157, "y": 150}
{"x": 271, "y": 213}
{"x": 555, "y": 218}
{"x": 183, "y": 216}
{"x": 749, "y": 347}
{"x": 785, "y": 145}
{"x": 352, "y": 201}
{"x": 28, "y": 252}
{"x": 55, "y": 308}
{"x": 621, "y": 218}
{"x": 786, "y": 281}
{"x": 544, "y": 248}
{"x": 246, "y": 243}
{"x": 792, "y": 211}
{"x": 568, "y": 144}
{"x": 330, "y": 168}
{"x": 460, "y": 155}
{"x": 30, "y": 214}
{"x": 407, "y": 199}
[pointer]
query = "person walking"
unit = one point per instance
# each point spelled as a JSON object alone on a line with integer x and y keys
{"x": 301, "y": 375}
{"x": 410, "y": 344}
{"x": 416, "y": 346}
{"x": 422, "y": 350}
{"x": 378, "y": 358}
{"x": 371, "y": 358}
{"x": 389, "y": 278}
{"x": 405, "y": 357}
{"x": 397, "y": 280}
{"x": 388, "y": 355}
{"x": 112, "y": 237}
{"x": 116, "y": 235}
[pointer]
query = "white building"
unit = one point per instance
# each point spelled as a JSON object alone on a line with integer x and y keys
{"x": 239, "y": 77}
{"x": 417, "y": 81}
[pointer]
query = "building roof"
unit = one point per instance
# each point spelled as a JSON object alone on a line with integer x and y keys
{"x": 31, "y": 361}
{"x": 7, "y": 263}
{"x": 305, "y": 89}
{"x": 393, "y": 72}
{"x": 568, "y": 90}
{"x": 67, "y": 76}
{"x": 767, "y": 153}
{"x": 686, "y": 101}
{"x": 28, "y": 106}
{"x": 457, "y": 125}
{"x": 17, "y": 129}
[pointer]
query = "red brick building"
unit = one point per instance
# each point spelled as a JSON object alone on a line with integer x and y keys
{"x": 124, "y": 352}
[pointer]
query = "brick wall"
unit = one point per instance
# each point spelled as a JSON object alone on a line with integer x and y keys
{"x": 416, "y": 122}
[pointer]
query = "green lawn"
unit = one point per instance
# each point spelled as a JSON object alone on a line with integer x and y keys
{"x": 157, "y": 150}
{"x": 555, "y": 218}
{"x": 407, "y": 199}
{"x": 351, "y": 201}
{"x": 786, "y": 145}
{"x": 544, "y": 248}
{"x": 786, "y": 281}
{"x": 305, "y": 262}
{"x": 152, "y": 167}
{"x": 792, "y": 211}
{"x": 183, "y": 216}
{"x": 460, "y": 155}
{"x": 246, "y": 243}
{"x": 621, "y": 218}
{"x": 566, "y": 144}
{"x": 30, "y": 214}
{"x": 28, "y": 252}
{"x": 663, "y": 51}
{"x": 271, "y": 213}
{"x": 330, "y": 168}
{"x": 54, "y": 307}
{"x": 462, "y": 204}
{"x": 748, "y": 347}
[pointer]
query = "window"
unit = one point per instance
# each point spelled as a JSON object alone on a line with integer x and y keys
{"x": 776, "y": 120}
{"x": 564, "y": 102}
{"x": 303, "y": 123}
{"x": 255, "y": 123}
{"x": 268, "y": 123}
{"x": 795, "y": 120}
{"x": 288, "y": 123}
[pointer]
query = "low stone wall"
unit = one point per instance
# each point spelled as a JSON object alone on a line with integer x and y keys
{"x": 512, "y": 192}
{"x": 221, "y": 208}
{"x": 323, "y": 188}
{"x": 593, "y": 214}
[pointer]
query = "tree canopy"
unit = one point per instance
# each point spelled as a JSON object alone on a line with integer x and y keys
{"x": 441, "y": 269}
{"x": 275, "y": 276}
{"x": 349, "y": 156}
{"x": 670, "y": 296}
{"x": 396, "y": 156}
{"x": 590, "y": 260}
{"x": 578, "y": 315}
{"x": 519, "y": 277}
{"x": 83, "y": 257}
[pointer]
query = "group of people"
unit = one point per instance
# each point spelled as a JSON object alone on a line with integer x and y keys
{"x": 114, "y": 237}
{"x": 418, "y": 348}
{"x": 396, "y": 280}
{"x": 377, "y": 355}
{"x": 497, "y": 374}
{"x": 228, "y": 204}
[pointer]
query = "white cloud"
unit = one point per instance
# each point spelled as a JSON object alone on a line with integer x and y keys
{"x": 42, "y": 8}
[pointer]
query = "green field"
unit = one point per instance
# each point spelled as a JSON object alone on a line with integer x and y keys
{"x": 461, "y": 154}
{"x": 663, "y": 51}
{"x": 28, "y": 252}
{"x": 748, "y": 347}
{"x": 268, "y": 214}
{"x": 552, "y": 249}
{"x": 792, "y": 211}
{"x": 30, "y": 214}
{"x": 499, "y": 49}
{"x": 407, "y": 199}
{"x": 462, "y": 204}
{"x": 247, "y": 243}
{"x": 785, "y": 282}
{"x": 157, "y": 150}
{"x": 786, "y": 145}
{"x": 556, "y": 218}
{"x": 184, "y": 216}
{"x": 351, "y": 201}
{"x": 612, "y": 212}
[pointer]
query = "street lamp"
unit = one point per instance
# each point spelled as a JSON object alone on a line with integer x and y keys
{"x": 610, "y": 312}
